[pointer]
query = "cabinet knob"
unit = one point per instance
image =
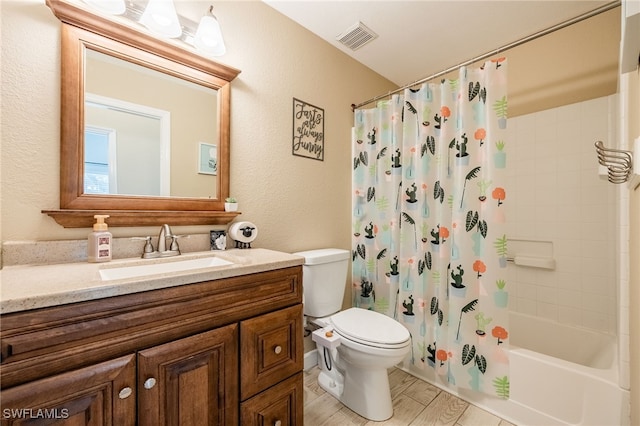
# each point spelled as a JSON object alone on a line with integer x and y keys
{"x": 149, "y": 383}
{"x": 125, "y": 393}
{"x": 277, "y": 350}
{"x": 278, "y": 423}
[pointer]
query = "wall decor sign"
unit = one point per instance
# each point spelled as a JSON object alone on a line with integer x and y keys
{"x": 308, "y": 130}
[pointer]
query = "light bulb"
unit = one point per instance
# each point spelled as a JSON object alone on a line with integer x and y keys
{"x": 208, "y": 39}
{"x": 160, "y": 17}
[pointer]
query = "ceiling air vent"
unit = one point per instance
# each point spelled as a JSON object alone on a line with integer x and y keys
{"x": 356, "y": 36}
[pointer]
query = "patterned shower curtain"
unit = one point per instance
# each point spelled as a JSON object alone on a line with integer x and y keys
{"x": 429, "y": 242}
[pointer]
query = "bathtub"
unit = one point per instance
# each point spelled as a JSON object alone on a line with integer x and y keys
{"x": 560, "y": 375}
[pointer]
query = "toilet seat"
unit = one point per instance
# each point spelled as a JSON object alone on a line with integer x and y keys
{"x": 370, "y": 328}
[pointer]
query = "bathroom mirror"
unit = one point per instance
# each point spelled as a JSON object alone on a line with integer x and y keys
{"x": 114, "y": 73}
{"x": 147, "y": 133}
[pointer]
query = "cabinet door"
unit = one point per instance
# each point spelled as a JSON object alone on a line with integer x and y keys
{"x": 191, "y": 381}
{"x": 271, "y": 348}
{"x": 280, "y": 405}
{"x": 102, "y": 394}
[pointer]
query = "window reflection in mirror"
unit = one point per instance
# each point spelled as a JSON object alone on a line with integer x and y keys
{"x": 155, "y": 124}
{"x": 99, "y": 154}
{"x": 126, "y": 148}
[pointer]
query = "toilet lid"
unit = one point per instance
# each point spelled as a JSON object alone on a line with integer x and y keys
{"x": 369, "y": 326}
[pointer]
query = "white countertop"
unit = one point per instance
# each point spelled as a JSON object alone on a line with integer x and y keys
{"x": 30, "y": 287}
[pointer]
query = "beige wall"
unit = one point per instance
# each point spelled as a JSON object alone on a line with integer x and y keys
{"x": 297, "y": 203}
{"x": 574, "y": 64}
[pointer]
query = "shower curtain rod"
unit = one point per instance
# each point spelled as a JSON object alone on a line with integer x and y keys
{"x": 487, "y": 55}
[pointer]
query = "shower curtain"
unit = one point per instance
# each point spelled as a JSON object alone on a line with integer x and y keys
{"x": 429, "y": 241}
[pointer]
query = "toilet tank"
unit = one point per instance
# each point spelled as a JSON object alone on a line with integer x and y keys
{"x": 324, "y": 274}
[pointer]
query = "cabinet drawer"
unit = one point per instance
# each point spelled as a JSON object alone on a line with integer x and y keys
{"x": 280, "y": 405}
{"x": 271, "y": 349}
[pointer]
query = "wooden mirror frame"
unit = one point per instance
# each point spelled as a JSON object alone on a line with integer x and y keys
{"x": 81, "y": 29}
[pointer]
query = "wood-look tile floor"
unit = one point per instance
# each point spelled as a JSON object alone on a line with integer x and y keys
{"x": 415, "y": 403}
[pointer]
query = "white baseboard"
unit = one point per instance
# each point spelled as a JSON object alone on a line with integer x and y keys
{"x": 310, "y": 359}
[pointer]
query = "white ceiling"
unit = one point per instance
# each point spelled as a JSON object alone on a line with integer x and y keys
{"x": 422, "y": 37}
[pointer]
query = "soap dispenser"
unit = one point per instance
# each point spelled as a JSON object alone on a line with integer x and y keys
{"x": 99, "y": 242}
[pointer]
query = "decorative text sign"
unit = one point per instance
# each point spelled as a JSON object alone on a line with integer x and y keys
{"x": 308, "y": 130}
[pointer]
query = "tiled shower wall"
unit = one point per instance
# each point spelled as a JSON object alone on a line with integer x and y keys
{"x": 556, "y": 195}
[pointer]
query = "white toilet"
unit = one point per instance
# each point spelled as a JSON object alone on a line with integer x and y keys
{"x": 355, "y": 346}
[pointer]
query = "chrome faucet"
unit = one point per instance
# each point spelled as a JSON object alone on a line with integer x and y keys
{"x": 165, "y": 232}
{"x": 162, "y": 250}
{"x": 174, "y": 249}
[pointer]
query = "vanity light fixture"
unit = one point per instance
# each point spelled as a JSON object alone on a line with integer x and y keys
{"x": 208, "y": 39}
{"x": 111, "y": 7}
{"x": 160, "y": 17}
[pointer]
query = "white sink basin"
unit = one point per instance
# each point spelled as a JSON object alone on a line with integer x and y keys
{"x": 170, "y": 266}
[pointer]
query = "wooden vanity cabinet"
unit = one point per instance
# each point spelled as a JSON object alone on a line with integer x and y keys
{"x": 223, "y": 352}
